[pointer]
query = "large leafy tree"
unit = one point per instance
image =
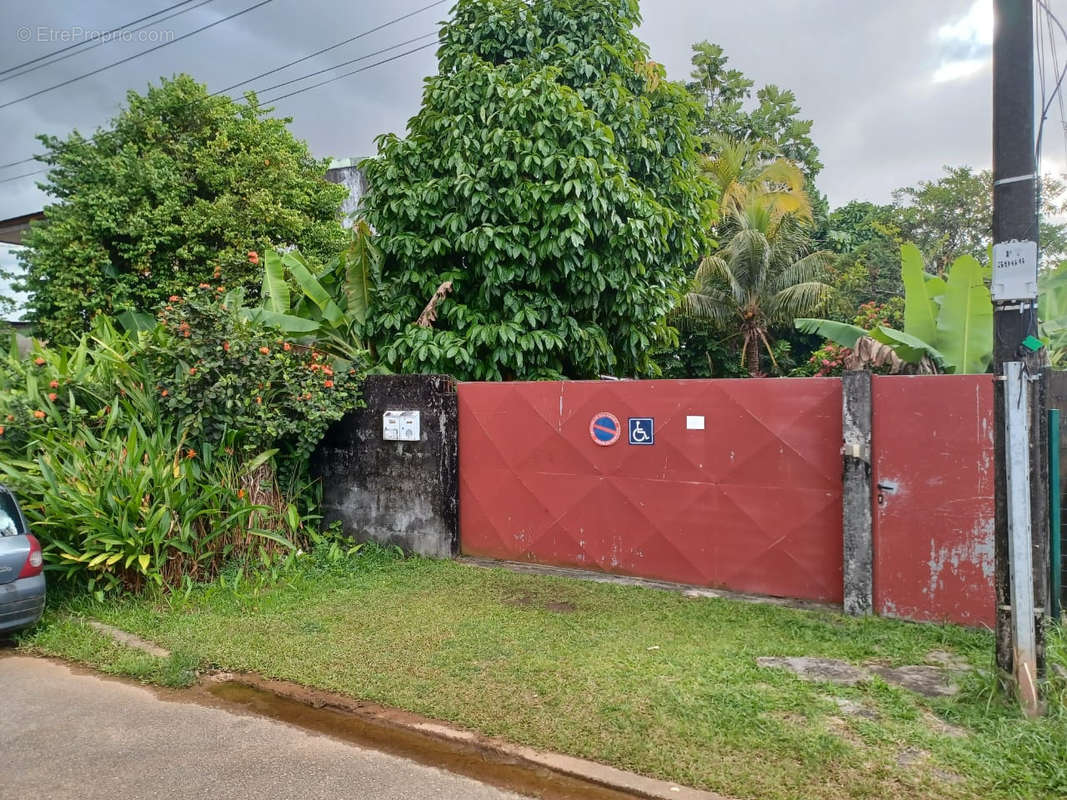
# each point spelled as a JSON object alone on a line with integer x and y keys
{"x": 761, "y": 280}
{"x": 176, "y": 191}
{"x": 770, "y": 119}
{"x": 546, "y": 197}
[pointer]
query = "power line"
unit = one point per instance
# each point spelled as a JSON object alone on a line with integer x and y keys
{"x": 347, "y": 74}
{"x": 135, "y": 55}
{"x": 1045, "y": 106}
{"x": 288, "y": 94}
{"x": 23, "y": 175}
{"x": 79, "y": 44}
{"x": 16, "y": 163}
{"x": 346, "y": 63}
{"x": 331, "y": 47}
{"x": 104, "y": 40}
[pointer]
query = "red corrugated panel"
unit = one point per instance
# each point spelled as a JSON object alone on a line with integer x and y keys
{"x": 751, "y": 503}
{"x": 933, "y": 512}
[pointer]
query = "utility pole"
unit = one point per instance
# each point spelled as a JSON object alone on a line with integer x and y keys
{"x": 1019, "y": 364}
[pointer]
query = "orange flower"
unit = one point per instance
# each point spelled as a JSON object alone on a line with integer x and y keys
{"x": 190, "y": 453}
{"x": 1, "y": 430}
{"x": 174, "y": 298}
{"x": 328, "y": 384}
{"x": 163, "y": 393}
{"x": 39, "y": 361}
{"x": 253, "y": 256}
{"x": 204, "y": 286}
{"x": 221, "y": 289}
{"x": 287, "y": 346}
{"x": 259, "y": 399}
{"x": 315, "y": 367}
{"x": 327, "y": 371}
{"x": 54, "y": 385}
{"x": 240, "y": 494}
{"x": 226, "y": 346}
{"x": 192, "y": 370}
{"x": 315, "y": 355}
{"x": 39, "y": 414}
{"x": 10, "y": 417}
{"x": 52, "y": 396}
{"x": 264, "y": 350}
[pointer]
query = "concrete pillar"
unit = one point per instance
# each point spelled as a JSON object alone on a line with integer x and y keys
{"x": 395, "y": 492}
{"x": 856, "y": 493}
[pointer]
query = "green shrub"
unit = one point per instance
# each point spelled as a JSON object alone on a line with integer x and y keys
{"x": 130, "y": 506}
{"x": 148, "y": 459}
{"x": 231, "y": 380}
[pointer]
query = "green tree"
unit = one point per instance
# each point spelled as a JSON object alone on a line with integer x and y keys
{"x": 742, "y": 174}
{"x": 176, "y": 191}
{"x": 546, "y": 195}
{"x": 761, "y": 280}
{"x": 953, "y": 216}
{"x": 729, "y": 111}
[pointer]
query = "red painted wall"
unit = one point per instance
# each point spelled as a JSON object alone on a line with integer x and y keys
{"x": 751, "y": 503}
{"x": 932, "y": 442}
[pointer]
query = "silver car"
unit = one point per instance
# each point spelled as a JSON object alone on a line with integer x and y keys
{"x": 21, "y": 568}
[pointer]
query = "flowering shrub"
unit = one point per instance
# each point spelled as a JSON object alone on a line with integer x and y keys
{"x": 238, "y": 382}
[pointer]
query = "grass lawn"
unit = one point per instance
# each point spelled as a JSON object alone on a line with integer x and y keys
{"x": 646, "y": 680}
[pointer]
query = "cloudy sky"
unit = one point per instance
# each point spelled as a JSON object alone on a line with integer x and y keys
{"x": 896, "y": 90}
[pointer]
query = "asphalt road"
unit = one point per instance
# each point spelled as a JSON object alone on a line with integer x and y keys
{"x": 66, "y": 735}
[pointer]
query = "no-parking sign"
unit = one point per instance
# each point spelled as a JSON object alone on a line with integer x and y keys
{"x": 605, "y": 429}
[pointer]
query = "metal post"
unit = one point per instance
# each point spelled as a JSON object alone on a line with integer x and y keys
{"x": 1054, "y": 516}
{"x": 1017, "y": 447}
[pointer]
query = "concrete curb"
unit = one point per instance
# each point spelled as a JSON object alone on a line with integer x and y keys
{"x": 591, "y": 772}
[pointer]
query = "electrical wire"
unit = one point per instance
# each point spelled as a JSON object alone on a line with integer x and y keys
{"x": 347, "y": 74}
{"x": 385, "y": 24}
{"x": 105, "y": 40}
{"x": 346, "y": 63}
{"x": 1059, "y": 81}
{"x": 293, "y": 93}
{"x": 23, "y": 175}
{"x": 227, "y": 18}
{"x": 331, "y": 47}
{"x": 105, "y": 35}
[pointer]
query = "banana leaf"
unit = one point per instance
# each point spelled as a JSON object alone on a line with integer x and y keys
{"x": 908, "y": 348}
{"x": 965, "y": 323}
{"x": 840, "y": 333}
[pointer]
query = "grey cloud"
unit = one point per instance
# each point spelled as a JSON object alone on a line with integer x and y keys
{"x": 860, "y": 70}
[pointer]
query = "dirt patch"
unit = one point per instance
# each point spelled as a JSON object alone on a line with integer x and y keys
{"x": 947, "y": 660}
{"x": 530, "y": 601}
{"x": 841, "y": 729}
{"x": 911, "y": 757}
{"x": 942, "y": 728}
{"x": 853, "y": 709}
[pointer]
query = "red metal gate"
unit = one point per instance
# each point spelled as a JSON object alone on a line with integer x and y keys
{"x": 750, "y": 502}
{"x": 932, "y": 470}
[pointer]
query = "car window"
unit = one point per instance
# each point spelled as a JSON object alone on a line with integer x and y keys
{"x": 10, "y": 521}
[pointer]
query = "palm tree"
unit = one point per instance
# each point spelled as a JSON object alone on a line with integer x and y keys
{"x": 742, "y": 174}
{"x": 762, "y": 278}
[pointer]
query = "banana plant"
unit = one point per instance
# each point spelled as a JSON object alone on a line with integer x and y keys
{"x": 948, "y": 324}
{"x": 1052, "y": 313}
{"x": 330, "y": 306}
